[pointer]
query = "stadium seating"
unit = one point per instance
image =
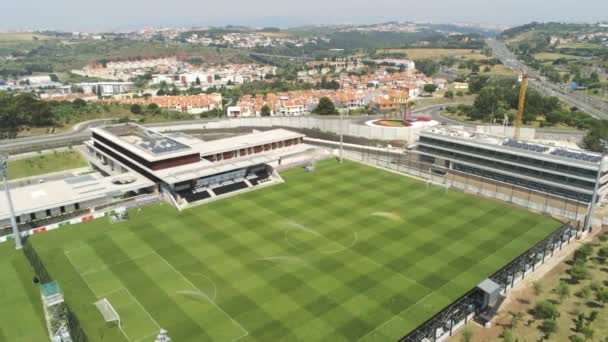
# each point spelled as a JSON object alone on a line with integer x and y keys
{"x": 224, "y": 189}
{"x": 193, "y": 197}
{"x": 259, "y": 177}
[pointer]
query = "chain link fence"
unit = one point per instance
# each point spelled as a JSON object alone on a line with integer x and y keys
{"x": 412, "y": 163}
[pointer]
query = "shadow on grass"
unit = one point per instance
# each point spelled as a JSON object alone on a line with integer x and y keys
{"x": 593, "y": 305}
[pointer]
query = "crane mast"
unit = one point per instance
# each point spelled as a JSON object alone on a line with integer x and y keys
{"x": 521, "y": 104}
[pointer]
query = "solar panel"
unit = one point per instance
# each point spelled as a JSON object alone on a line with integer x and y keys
{"x": 525, "y": 146}
{"x": 576, "y": 155}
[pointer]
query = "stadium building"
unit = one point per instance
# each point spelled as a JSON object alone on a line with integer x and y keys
{"x": 560, "y": 172}
{"x": 187, "y": 169}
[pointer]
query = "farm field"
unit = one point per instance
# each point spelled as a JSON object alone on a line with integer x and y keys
{"x": 437, "y": 54}
{"x": 345, "y": 253}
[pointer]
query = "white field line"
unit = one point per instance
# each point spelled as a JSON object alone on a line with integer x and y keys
{"x": 364, "y": 257}
{"x": 91, "y": 289}
{"x": 210, "y": 301}
{"x": 145, "y": 311}
{"x": 212, "y": 282}
{"x": 355, "y": 240}
{"x": 101, "y": 268}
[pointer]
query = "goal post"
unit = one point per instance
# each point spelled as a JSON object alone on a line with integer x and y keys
{"x": 108, "y": 312}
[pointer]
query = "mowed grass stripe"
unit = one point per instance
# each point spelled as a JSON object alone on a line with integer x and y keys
{"x": 147, "y": 291}
{"x": 342, "y": 253}
{"x": 19, "y": 306}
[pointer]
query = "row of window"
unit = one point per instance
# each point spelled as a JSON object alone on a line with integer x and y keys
{"x": 512, "y": 168}
{"x": 573, "y": 170}
{"x": 253, "y": 150}
{"x": 48, "y": 213}
{"x": 523, "y": 183}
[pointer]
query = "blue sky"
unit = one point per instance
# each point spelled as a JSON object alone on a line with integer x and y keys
{"x": 92, "y": 15}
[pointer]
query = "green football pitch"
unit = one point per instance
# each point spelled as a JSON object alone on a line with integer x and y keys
{"x": 345, "y": 253}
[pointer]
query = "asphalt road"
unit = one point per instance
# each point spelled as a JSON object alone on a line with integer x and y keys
{"x": 593, "y": 106}
{"x": 81, "y": 132}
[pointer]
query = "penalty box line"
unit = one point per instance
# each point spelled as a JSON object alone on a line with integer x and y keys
{"x": 90, "y": 288}
{"x": 107, "y": 266}
{"x": 208, "y": 299}
{"x": 116, "y": 291}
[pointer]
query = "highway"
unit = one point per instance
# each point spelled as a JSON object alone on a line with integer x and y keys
{"x": 590, "y": 105}
{"x": 76, "y": 135}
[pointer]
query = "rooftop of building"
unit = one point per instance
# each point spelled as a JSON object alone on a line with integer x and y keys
{"x": 506, "y": 143}
{"x": 53, "y": 194}
{"x": 143, "y": 141}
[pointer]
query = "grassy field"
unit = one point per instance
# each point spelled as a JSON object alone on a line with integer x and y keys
{"x": 345, "y": 253}
{"x": 20, "y": 306}
{"x": 437, "y": 54}
{"x": 45, "y": 163}
{"x": 551, "y": 56}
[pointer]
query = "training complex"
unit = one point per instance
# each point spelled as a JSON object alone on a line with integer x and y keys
{"x": 326, "y": 251}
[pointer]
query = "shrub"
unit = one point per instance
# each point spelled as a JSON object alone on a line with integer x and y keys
{"x": 545, "y": 310}
{"x": 548, "y": 327}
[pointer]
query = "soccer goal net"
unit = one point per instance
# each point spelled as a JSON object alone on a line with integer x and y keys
{"x": 107, "y": 311}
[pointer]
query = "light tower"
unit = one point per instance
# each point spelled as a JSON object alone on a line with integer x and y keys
{"x": 4, "y": 172}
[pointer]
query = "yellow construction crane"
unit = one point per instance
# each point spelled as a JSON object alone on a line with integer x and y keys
{"x": 521, "y": 104}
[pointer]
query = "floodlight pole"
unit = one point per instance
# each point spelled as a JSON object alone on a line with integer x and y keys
{"x": 4, "y": 172}
{"x": 588, "y": 220}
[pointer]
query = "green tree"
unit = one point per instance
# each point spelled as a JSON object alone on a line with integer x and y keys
{"x": 136, "y": 109}
{"x": 583, "y": 253}
{"x": 325, "y": 107}
{"x": 548, "y": 327}
{"x": 153, "y": 108}
{"x": 601, "y": 294}
{"x": 545, "y": 310}
{"x": 430, "y": 88}
{"x": 579, "y": 322}
{"x": 576, "y": 338}
{"x": 579, "y": 272}
{"x": 508, "y": 336}
{"x": 427, "y": 66}
{"x": 595, "y": 134}
{"x": 588, "y": 333}
{"x": 602, "y": 253}
{"x": 563, "y": 291}
{"x": 448, "y": 94}
{"x": 79, "y": 103}
{"x": 265, "y": 111}
{"x": 585, "y": 292}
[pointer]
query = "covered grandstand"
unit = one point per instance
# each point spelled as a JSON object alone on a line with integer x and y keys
{"x": 564, "y": 173}
{"x": 190, "y": 170}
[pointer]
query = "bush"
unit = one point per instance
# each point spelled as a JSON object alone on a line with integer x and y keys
{"x": 583, "y": 253}
{"x": 579, "y": 272}
{"x": 545, "y": 310}
{"x": 449, "y": 94}
{"x": 136, "y": 109}
{"x": 548, "y": 327}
